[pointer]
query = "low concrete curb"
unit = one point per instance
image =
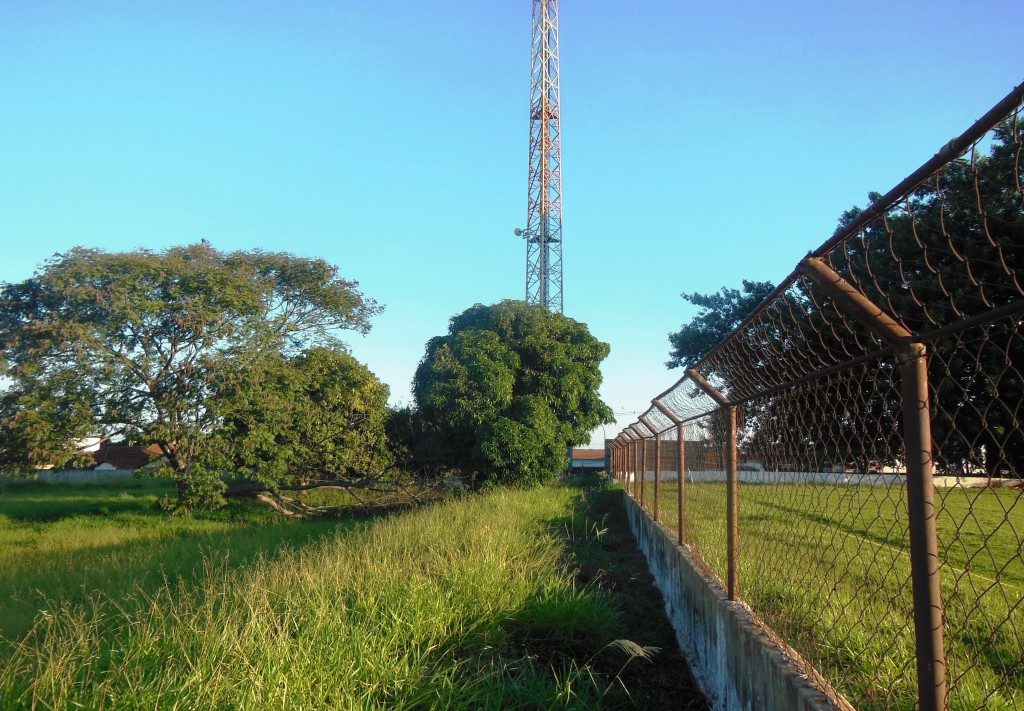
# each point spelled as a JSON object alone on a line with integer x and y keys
{"x": 736, "y": 663}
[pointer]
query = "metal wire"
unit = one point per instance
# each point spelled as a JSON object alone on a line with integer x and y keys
{"x": 838, "y": 459}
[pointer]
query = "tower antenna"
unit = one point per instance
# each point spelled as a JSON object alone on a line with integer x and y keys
{"x": 543, "y": 233}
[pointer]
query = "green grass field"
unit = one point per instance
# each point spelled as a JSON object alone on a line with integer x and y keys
{"x": 65, "y": 544}
{"x": 827, "y": 568}
{"x": 477, "y": 602}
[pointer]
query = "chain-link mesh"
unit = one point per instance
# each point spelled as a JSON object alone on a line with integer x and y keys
{"x": 847, "y": 493}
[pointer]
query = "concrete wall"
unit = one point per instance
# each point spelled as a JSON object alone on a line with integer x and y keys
{"x": 835, "y": 478}
{"x": 83, "y": 476}
{"x": 734, "y": 660}
{"x": 587, "y": 464}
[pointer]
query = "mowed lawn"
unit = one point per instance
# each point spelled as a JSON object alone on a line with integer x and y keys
{"x": 474, "y": 602}
{"x": 827, "y": 567}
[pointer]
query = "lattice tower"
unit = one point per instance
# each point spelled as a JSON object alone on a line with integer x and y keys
{"x": 543, "y": 233}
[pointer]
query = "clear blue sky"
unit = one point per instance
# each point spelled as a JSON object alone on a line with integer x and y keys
{"x": 703, "y": 142}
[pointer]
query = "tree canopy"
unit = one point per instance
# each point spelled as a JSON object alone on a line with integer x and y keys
{"x": 506, "y": 392}
{"x": 720, "y": 313}
{"x": 292, "y": 423}
{"x": 145, "y": 345}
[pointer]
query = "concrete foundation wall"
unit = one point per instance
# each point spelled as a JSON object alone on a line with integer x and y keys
{"x": 834, "y": 478}
{"x": 83, "y": 476}
{"x": 736, "y": 664}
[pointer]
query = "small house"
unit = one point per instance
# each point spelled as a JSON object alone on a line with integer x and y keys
{"x": 586, "y": 460}
{"x": 127, "y": 457}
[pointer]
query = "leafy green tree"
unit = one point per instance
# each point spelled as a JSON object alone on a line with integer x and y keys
{"x": 309, "y": 421}
{"x": 720, "y": 313}
{"x": 505, "y": 392}
{"x": 140, "y": 345}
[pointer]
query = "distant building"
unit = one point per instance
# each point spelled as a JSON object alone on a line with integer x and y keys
{"x": 127, "y": 456}
{"x": 586, "y": 460}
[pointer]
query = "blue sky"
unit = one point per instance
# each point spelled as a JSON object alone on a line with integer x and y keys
{"x": 703, "y": 142}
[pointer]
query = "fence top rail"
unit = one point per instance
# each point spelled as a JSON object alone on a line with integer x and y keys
{"x": 684, "y": 398}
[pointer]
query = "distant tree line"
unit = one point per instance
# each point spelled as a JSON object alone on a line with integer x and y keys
{"x": 232, "y": 364}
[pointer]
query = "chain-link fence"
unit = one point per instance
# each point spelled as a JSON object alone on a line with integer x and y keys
{"x": 849, "y": 461}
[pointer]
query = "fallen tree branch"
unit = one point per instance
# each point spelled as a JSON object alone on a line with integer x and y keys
{"x": 361, "y": 489}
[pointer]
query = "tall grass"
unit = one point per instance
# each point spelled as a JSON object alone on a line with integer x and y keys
{"x": 466, "y": 604}
{"x": 72, "y": 542}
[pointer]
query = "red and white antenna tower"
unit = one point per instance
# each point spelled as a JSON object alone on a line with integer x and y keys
{"x": 543, "y": 231}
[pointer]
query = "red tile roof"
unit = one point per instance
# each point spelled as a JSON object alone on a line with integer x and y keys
{"x": 123, "y": 456}
{"x": 581, "y": 453}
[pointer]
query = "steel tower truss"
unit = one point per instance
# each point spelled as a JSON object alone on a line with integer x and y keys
{"x": 543, "y": 231}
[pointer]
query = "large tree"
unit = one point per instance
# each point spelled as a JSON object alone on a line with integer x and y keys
{"x": 506, "y": 391}
{"x": 142, "y": 345}
{"x": 719, "y": 314}
{"x": 298, "y": 423}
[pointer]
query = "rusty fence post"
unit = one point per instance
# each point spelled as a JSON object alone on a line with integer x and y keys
{"x": 732, "y": 503}
{"x": 681, "y": 481}
{"x": 643, "y": 468}
{"x": 653, "y": 428}
{"x": 628, "y": 465}
{"x": 680, "y": 466}
{"x": 635, "y": 465}
{"x": 636, "y": 471}
{"x": 924, "y": 541}
{"x": 929, "y": 642}
{"x": 615, "y": 461}
{"x": 732, "y": 485}
{"x": 632, "y": 461}
{"x": 657, "y": 474}
{"x": 623, "y": 463}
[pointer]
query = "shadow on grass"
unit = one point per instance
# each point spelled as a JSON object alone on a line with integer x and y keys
{"x": 36, "y": 502}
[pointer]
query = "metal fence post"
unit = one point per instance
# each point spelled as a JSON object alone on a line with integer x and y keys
{"x": 732, "y": 485}
{"x": 657, "y": 473}
{"x": 643, "y": 468}
{"x": 618, "y": 462}
{"x": 615, "y": 462}
{"x": 681, "y": 481}
{"x": 636, "y": 459}
{"x": 732, "y": 503}
{"x": 929, "y": 643}
{"x": 653, "y": 428}
{"x": 680, "y": 465}
{"x": 627, "y": 465}
{"x": 924, "y": 542}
